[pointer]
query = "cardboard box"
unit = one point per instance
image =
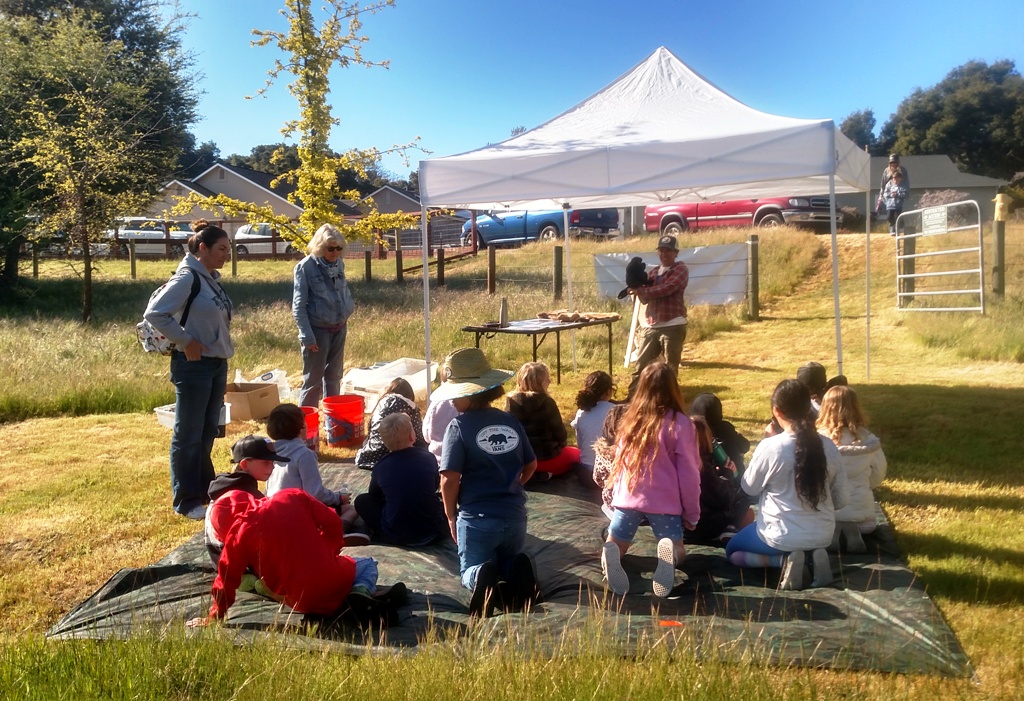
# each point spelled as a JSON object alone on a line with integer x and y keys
{"x": 251, "y": 400}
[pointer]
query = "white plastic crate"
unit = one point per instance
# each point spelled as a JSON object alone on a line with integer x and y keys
{"x": 370, "y": 382}
{"x": 165, "y": 415}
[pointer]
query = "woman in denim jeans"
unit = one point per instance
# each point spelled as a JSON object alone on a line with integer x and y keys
{"x": 199, "y": 363}
{"x": 321, "y": 306}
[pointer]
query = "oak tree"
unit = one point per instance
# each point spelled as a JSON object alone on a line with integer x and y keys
{"x": 975, "y": 115}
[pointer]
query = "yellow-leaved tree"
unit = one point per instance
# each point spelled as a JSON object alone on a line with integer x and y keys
{"x": 311, "y": 52}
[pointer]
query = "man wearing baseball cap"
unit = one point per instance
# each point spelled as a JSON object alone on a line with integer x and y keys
{"x": 663, "y": 328}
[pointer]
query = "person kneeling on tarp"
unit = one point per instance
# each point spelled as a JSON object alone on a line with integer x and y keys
{"x": 485, "y": 460}
{"x": 292, "y": 542}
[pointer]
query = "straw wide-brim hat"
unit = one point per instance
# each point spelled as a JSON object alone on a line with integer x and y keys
{"x": 466, "y": 373}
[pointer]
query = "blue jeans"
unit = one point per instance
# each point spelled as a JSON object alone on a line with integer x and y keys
{"x": 321, "y": 371}
{"x": 366, "y": 574}
{"x": 488, "y": 539}
{"x": 199, "y": 397}
{"x": 748, "y": 541}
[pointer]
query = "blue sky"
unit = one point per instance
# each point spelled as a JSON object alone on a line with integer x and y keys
{"x": 464, "y": 73}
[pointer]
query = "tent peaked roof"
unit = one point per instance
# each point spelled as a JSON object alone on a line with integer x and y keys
{"x": 658, "y": 133}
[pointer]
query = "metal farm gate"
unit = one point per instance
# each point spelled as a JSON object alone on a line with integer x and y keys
{"x": 940, "y": 259}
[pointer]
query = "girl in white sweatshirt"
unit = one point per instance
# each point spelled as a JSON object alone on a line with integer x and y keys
{"x": 842, "y": 420}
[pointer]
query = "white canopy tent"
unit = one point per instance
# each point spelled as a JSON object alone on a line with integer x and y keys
{"x": 659, "y": 133}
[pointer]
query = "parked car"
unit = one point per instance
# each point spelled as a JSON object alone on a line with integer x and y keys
{"x": 510, "y": 227}
{"x": 255, "y": 239}
{"x": 150, "y": 236}
{"x": 59, "y": 246}
{"x": 676, "y": 217}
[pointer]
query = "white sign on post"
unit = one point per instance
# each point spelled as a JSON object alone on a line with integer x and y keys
{"x": 934, "y": 220}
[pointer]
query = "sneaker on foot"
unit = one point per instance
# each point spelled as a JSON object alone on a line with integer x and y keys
{"x": 523, "y": 581}
{"x": 822, "y": 568}
{"x": 618, "y": 580}
{"x": 793, "y": 572}
{"x": 484, "y": 591}
{"x": 726, "y": 535}
{"x": 356, "y": 539}
{"x": 196, "y": 513}
{"x": 541, "y": 477}
{"x": 395, "y": 595}
{"x": 365, "y": 609}
{"x": 665, "y": 572}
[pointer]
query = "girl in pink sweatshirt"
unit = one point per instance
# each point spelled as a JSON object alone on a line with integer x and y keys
{"x": 656, "y": 475}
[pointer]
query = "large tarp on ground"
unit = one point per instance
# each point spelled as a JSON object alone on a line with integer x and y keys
{"x": 876, "y": 616}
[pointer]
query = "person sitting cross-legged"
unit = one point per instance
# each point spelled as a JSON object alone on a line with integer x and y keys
{"x": 401, "y": 505}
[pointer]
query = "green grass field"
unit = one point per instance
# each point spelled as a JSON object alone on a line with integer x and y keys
{"x": 85, "y": 491}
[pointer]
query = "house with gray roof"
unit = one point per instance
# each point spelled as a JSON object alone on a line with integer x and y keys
{"x": 240, "y": 183}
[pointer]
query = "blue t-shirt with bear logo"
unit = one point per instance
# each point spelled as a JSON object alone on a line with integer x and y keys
{"x": 488, "y": 447}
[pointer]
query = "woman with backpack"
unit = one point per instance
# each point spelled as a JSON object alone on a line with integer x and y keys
{"x": 194, "y": 312}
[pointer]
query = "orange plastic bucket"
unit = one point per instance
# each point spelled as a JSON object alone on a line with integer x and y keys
{"x": 344, "y": 420}
{"x": 312, "y": 427}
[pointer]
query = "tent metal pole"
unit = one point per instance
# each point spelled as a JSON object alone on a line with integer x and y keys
{"x": 426, "y": 296}
{"x": 867, "y": 279}
{"x": 835, "y": 269}
{"x": 568, "y": 274}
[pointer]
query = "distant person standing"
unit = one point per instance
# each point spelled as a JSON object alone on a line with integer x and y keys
{"x": 321, "y": 306}
{"x": 893, "y": 195}
{"x": 199, "y": 362}
{"x": 663, "y": 328}
{"x": 887, "y": 175}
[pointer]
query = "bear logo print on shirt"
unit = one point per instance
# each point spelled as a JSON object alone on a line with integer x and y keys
{"x": 496, "y": 440}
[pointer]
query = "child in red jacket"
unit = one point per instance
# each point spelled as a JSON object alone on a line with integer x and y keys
{"x": 292, "y": 542}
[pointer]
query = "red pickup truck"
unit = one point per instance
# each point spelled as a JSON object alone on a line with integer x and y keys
{"x": 676, "y": 217}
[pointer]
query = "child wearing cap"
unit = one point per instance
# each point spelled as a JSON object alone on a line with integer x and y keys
{"x": 253, "y": 458}
{"x": 401, "y": 505}
{"x": 486, "y": 459}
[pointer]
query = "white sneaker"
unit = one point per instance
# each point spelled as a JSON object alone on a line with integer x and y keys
{"x": 665, "y": 572}
{"x": 617, "y": 578}
{"x": 822, "y": 568}
{"x": 196, "y": 513}
{"x": 793, "y": 572}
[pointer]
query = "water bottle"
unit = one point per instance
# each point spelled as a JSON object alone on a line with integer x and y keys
{"x": 719, "y": 454}
{"x": 345, "y": 492}
{"x": 503, "y": 313}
